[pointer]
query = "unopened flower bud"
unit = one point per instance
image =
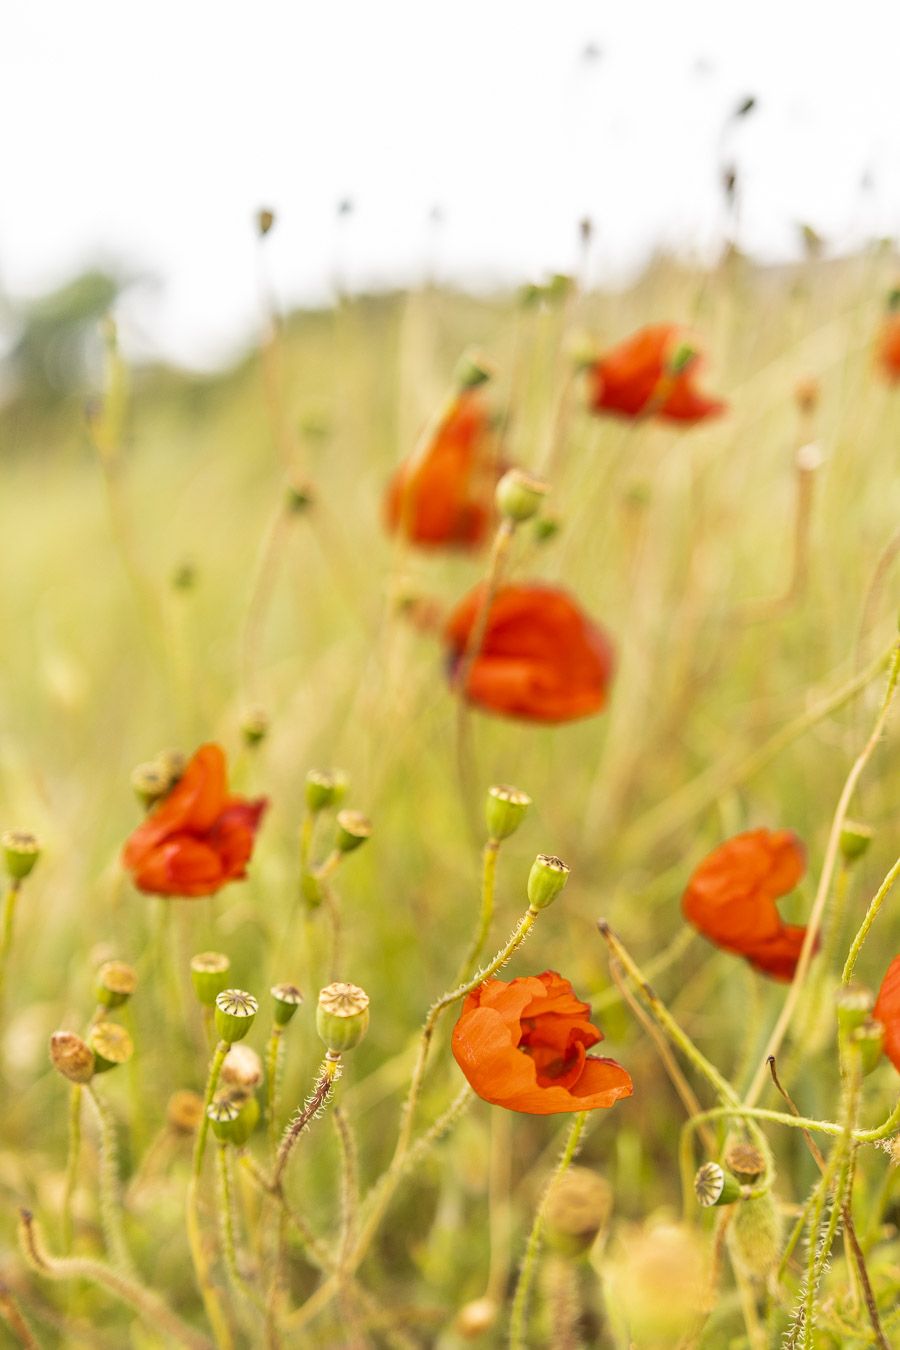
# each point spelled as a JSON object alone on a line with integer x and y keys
{"x": 111, "y": 1045}
{"x": 71, "y": 1056}
{"x": 242, "y": 1069}
{"x": 353, "y": 829}
{"x": 472, "y": 370}
{"x": 209, "y": 976}
{"x": 235, "y": 1011}
{"x": 868, "y": 1041}
{"x": 578, "y": 1208}
{"x": 477, "y": 1317}
{"x": 342, "y": 1016}
{"x": 714, "y": 1186}
{"x": 233, "y": 1118}
{"x": 116, "y": 982}
{"x": 547, "y": 878}
{"x": 754, "y": 1236}
{"x": 325, "y": 789}
{"x": 184, "y": 1111}
{"x": 520, "y": 495}
{"x": 21, "y": 851}
{"x": 504, "y": 811}
{"x": 254, "y": 725}
{"x": 746, "y": 1162}
{"x": 287, "y": 999}
{"x": 150, "y": 783}
{"x": 855, "y": 840}
{"x": 854, "y": 1005}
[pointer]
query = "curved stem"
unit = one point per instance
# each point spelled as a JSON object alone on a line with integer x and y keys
{"x": 488, "y": 888}
{"x": 327, "y": 1077}
{"x": 110, "y": 1198}
{"x": 871, "y": 914}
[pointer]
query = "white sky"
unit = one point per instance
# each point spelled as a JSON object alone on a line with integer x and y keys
{"x": 150, "y": 133}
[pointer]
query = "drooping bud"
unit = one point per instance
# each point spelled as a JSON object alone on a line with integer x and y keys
{"x": 520, "y": 495}
{"x": 21, "y": 851}
{"x": 233, "y": 1118}
{"x": 235, "y": 1011}
{"x": 504, "y": 811}
{"x": 111, "y": 1045}
{"x": 242, "y": 1069}
{"x": 287, "y": 999}
{"x": 116, "y": 982}
{"x": 754, "y": 1236}
{"x": 472, "y": 370}
{"x": 714, "y": 1186}
{"x": 547, "y": 878}
{"x": 325, "y": 789}
{"x": 578, "y": 1208}
{"x": 854, "y": 1005}
{"x": 353, "y": 829}
{"x": 746, "y": 1162}
{"x": 209, "y": 976}
{"x": 254, "y": 725}
{"x": 342, "y": 1016}
{"x": 184, "y": 1111}
{"x": 855, "y": 840}
{"x": 150, "y": 783}
{"x": 71, "y": 1056}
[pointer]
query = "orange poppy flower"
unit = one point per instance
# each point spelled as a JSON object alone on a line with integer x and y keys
{"x": 731, "y": 899}
{"x": 889, "y": 339}
{"x": 542, "y": 659}
{"x": 442, "y": 496}
{"x": 522, "y": 1044}
{"x": 651, "y": 374}
{"x": 198, "y": 838}
{"x": 887, "y": 1012}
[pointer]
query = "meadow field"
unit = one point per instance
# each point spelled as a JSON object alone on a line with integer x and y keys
{"x": 203, "y": 560}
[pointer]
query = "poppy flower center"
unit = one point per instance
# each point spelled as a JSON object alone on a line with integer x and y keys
{"x": 556, "y": 1048}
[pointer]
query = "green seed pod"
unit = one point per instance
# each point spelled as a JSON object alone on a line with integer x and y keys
{"x": 21, "y": 851}
{"x": 504, "y": 811}
{"x": 342, "y": 1016}
{"x": 854, "y": 1004}
{"x": 520, "y": 495}
{"x": 577, "y": 1210}
{"x": 233, "y": 1118}
{"x": 714, "y": 1186}
{"x": 71, "y": 1056}
{"x": 150, "y": 783}
{"x": 869, "y": 1042}
{"x": 325, "y": 789}
{"x": 209, "y": 976}
{"x": 745, "y": 1162}
{"x": 254, "y": 725}
{"x": 287, "y": 999}
{"x": 472, "y": 370}
{"x": 235, "y": 1011}
{"x": 855, "y": 840}
{"x": 547, "y": 878}
{"x": 115, "y": 983}
{"x": 754, "y": 1236}
{"x": 111, "y": 1045}
{"x": 353, "y": 829}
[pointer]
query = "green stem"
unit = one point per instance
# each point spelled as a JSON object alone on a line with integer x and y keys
{"x": 325, "y": 1081}
{"x": 6, "y": 934}
{"x": 110, "y": 1199}
{"x": 871, "y": 914}
{"x": 273, "y": 1074}
{"x": 227, "y": 1227}
{"x": 72, "y": 1162}
{"x": 211, "y": 1300}
{"x": 212, "y": 1079}
{"x": 488, "y": 888}
{"x": 518, "y": 1325}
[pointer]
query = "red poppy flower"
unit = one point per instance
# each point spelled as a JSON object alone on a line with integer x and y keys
{"x": 522, "y": 1044}
{"x": 542, "y": 659}
{"x": 731, "y": 899}
{"x": 887, "y": 1011}
{"x": 442, "y": 497}
{"x": 651, "y": 374}
{"x": 889, "y": 345}
{"x": 198, "y": 838}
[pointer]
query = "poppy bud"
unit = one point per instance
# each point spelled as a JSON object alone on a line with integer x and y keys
{"x": 546, "y": 879}
{"x": 854, "y": 1004}
{"x": 578, "y": 1208}
{"x": 254, "y": 725}
{"x": 477, "y": 1317}
{"x": 184, "y": 1111}
{"x": 21, "y": 851}
{"x": 242, "y": 1069}
{"x": 71, "y": 1056}
{"x": 472, "y": 370}
{"x": 115, "y": 984}
{"x": 869, "y": 1042}
{"x": 235, "y": 1011}
{"x": 325, "y": 789}
{"x": 353, "y": 829}
{"x": 342, "y": 1016}
{"x": 746, "y": 1162}
{"x": 519, "y": 495}
{"x": 265, "y": 219}
{"x": 504, "y": 811}
{"x": 714, "y": 1186}
{"x": 209, "y": 976}
{"x": 855, "y": 840}
{"x": 111, "y": 1045}
{"x": 233, "y": 1118}
{"x": 287, "y": 999}
{"x": 150, "y": 783}
{"x": 754, "y": 1236}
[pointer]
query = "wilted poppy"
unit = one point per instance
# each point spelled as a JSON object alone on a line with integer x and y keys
{"x": 889, "y": 339}
{"x": 442, "y": 496}
{"x": 887, "y": 1012}
{"x": 522, "y": 1044}
{"x": 731, "y": 899}
{"x": 541, "y": 659}
{"x": 198, "y": 838}
{"x": 651, "y": 373}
